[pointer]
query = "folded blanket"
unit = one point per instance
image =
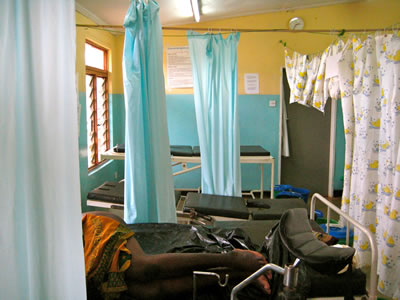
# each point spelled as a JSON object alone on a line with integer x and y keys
{"x": 106, "y": 255}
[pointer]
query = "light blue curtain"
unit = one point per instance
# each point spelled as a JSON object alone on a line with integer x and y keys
{"x": 149, "y": 191}
{"x": 41, "y": 250}
{"x": 214, "y": 61}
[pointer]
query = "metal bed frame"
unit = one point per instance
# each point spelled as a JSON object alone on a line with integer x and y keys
{"x": 373, "y": 281}
{"x": 184, "y": 160}
{"x": 372, "y": 292}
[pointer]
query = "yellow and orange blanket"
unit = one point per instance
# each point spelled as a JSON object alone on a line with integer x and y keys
{"x": 106, "y": 254}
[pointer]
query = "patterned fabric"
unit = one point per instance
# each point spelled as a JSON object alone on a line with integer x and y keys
{"x": 369, "y": 85}
{"x": 106, "y": 255}
{"x": 306, "y": 78}
{"x": 369, "y": 78}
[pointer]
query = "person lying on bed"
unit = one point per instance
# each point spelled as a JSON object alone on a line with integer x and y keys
{"x": 115, "y": 263}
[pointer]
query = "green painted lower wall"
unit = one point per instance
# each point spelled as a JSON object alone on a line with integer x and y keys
{"x": 340, "y": 150}
{"x": 259, "y": 125}
{"x": 111, "y": 170}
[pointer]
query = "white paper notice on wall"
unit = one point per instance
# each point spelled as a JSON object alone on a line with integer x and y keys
{"x": 332, "y": 66}
{"x": 179, "y": 68}
{"x": 251, "y": 83}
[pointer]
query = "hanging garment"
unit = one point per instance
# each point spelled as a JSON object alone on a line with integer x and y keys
{"x": 214, "y": 62}
{"x": 369, "y": 77}
{"x": 41, "y": 250}
{"x": 149, "y": 192}
{"x": 307, "y": 81}
{"x": 296, "y": 71}
{"x": 332, "y": 89}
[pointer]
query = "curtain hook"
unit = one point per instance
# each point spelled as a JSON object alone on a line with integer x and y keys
{"x": 333, "y": 35}
{"x": 395, "y": 28}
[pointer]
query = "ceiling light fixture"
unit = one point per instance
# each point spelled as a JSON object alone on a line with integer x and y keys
{"x": 196, "y": 10}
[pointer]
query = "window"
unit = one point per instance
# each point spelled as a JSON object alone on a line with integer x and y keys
{"x": 97, "y": 118}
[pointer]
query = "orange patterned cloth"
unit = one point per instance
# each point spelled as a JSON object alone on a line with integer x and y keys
{"x": 106, "y": 255}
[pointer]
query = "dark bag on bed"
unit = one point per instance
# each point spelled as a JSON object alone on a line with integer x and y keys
{"x": 293, "y": 238}
{"x": 179, "y": 238}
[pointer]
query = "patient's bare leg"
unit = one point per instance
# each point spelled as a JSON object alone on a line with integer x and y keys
{"x": 157, "y": 276}
{"x": 152, "y": 276}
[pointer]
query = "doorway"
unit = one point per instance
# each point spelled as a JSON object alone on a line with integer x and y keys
{"x": 308, "y": 133}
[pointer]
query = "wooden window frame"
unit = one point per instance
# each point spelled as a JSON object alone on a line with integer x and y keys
{"x": 96, "y": 72}
{"x": 105, "y": 55}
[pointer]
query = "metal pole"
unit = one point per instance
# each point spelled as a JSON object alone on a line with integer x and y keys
{"x": 374, "y": 250}
{"x": 256, "y": 274}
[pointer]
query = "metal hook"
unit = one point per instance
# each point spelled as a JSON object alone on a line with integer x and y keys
{"x": 395, "y": 28}
{"x": 220, "y": 283}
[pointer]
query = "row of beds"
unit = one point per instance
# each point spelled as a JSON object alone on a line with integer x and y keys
{"x": 214, "y": 223}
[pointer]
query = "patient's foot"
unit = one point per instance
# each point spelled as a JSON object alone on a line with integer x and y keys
{"x": 247, "y": 260}
{"x": 251, "y": 261}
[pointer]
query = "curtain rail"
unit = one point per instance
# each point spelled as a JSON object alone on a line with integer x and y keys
{"x": 244, "y": 29}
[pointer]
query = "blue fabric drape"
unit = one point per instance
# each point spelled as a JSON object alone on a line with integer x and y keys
{"x": 149, "y": 192}
{"x": 41, "y": 250}
{"x": 214, "y": 62}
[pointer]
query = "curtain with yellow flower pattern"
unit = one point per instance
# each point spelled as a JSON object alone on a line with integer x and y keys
{"x": 369, "y": 78}
{"x": 306, "y": 75}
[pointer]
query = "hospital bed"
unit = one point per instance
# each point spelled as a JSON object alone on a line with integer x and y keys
{"x": 348, "y": 283}
{"x": 183, "y": 155}
{"x": 226, "y": 235}
{"x": 240, "y": 208}
{"x": 208, "y": 207}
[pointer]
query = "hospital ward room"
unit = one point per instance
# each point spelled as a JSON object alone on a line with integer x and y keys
{"x": 200, "y": 149}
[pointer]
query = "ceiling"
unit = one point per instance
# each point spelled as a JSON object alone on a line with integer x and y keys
{"x": 179, "y": 12}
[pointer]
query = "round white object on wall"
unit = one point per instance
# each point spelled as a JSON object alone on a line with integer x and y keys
{"x": 296, "y": 23}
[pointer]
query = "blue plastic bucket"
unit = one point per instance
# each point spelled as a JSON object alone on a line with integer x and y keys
{"x": 287, "y": 191}
{"x": 339, "y": 233}
{"x": 318, "y": 214}
{"x": 288, "y": 194}
{"x": 281, "y": 188}
{"x": 303, "y": 192}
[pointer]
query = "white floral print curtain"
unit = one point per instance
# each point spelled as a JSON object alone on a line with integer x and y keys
{"x": 306, "y": 76}
{"x": 369, "y": 77}
{"x": 368, "y": 84}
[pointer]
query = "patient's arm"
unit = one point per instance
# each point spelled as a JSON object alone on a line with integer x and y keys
{"x": 172, "y": 272}
{"x": 163, "y": 265}
{"x": 178, "y": 264}
{"x": 154, "y": 276}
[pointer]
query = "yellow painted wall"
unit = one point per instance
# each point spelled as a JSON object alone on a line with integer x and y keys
{"x": 111, "y": 42}
{"x": 260, "y": 53}
{"x": 263, "y": 54}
